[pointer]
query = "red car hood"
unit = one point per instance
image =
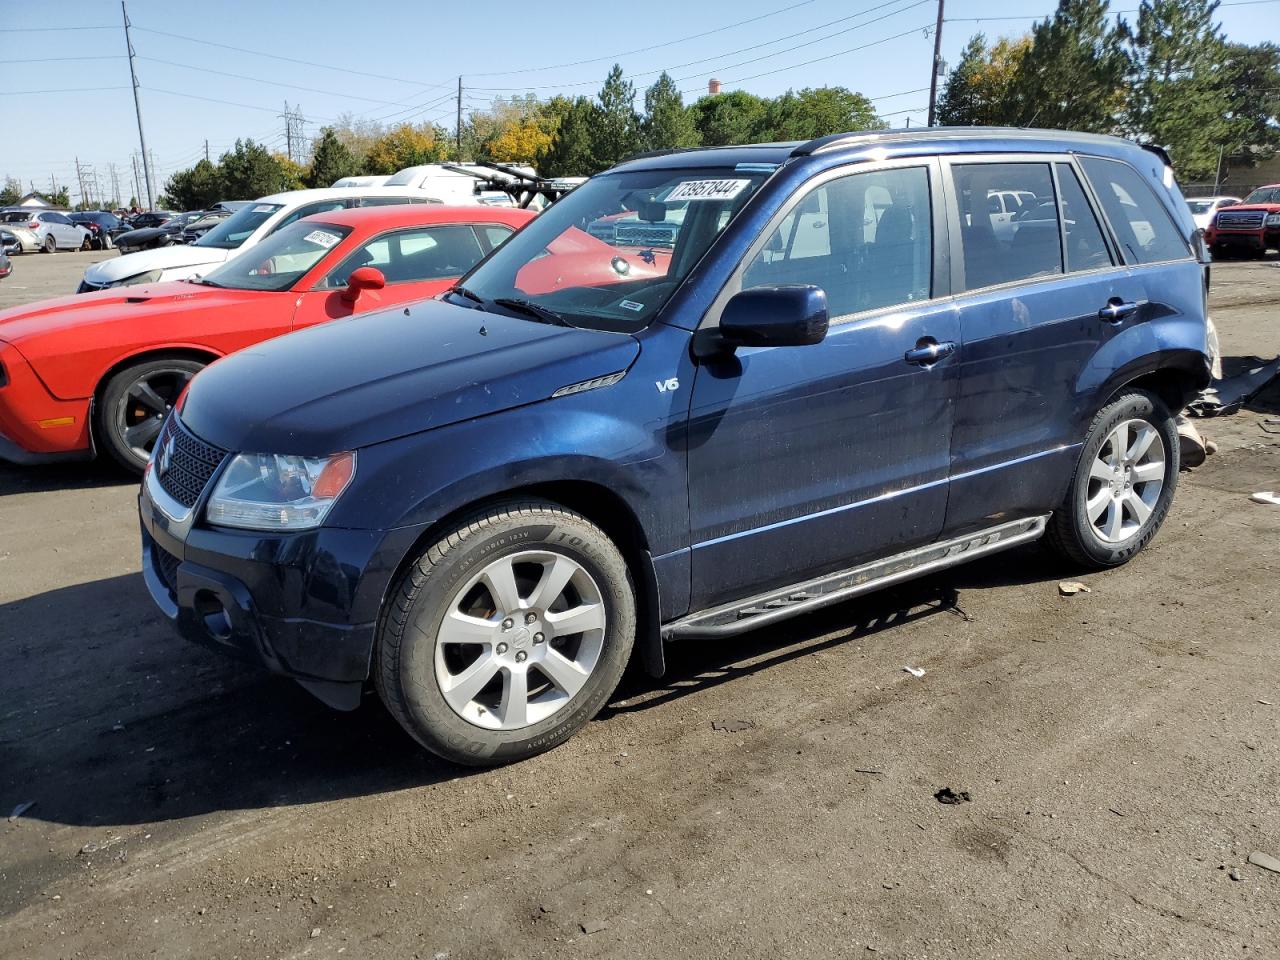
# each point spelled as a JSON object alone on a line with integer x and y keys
{"x": 147, "y": 302}
{"x": 1243, "y": 207}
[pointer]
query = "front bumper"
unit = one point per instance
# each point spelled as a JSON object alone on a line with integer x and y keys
{"x": 303, "y": 605}
{"x": 35, "y": 426}
{"x": 1251, "y": 240}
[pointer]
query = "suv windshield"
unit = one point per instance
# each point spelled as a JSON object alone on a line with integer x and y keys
{"x": 610, "y": 254}
{"x": 1264, "y": 195}
{"x": 235, "y": 230}
{"x": 279, "y": 261}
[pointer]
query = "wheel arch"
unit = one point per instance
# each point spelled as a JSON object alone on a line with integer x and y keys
{"x": 200, "y": 354}
{"x": 1175, "y": 376}
{"x": 603, "y": 507}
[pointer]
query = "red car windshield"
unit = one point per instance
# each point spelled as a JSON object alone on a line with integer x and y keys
{"x": 281, "y": 260}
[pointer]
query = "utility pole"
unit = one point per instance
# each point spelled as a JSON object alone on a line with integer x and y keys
{"x": 115, "y": 185}
{"x": 288, "y": 130}
{"x": 137, "y": 106}
{"x": 137, "y": 192}
{"x": 937, "y": 66}
{"x": 458, "y": 129}
{"x": 206, "y": 150}
{"x": 80, "y": 178}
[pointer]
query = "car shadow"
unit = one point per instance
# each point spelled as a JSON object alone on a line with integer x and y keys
{"x": 109, "y": 718}
{"x": 71, "y": 475}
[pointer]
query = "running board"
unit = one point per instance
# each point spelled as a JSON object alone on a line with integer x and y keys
{"x": 758, "y": 611}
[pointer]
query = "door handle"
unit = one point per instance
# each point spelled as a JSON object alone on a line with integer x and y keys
{"x": 1117, "y": 310}
{"x": 929, "y": 351}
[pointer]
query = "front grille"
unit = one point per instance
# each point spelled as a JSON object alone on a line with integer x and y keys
{"x": 645, "y": 236}
{"x": 167, "y": 566}
{"x": 1245, "y": 220}
{"x": 184, "y": 463}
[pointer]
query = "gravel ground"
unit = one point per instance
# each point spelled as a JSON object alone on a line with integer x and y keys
{"x": 1118, "y": 747}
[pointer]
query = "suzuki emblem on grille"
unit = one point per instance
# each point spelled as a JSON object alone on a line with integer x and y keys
{"x": 164, "y": 456}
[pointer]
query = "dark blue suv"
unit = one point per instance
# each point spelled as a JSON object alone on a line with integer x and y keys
{"x": 863, "y": 358}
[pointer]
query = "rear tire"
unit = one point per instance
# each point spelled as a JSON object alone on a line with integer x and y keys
{"x": 478, "y": 657}
{"x": 1123, "y": 485}
{"x": 50, "y": 245}
{"x": 134, "y": 404}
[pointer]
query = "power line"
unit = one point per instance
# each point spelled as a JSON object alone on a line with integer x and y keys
{"x": 50, "y": 29}
{"x": 60, "y": 59}
{"x": 18, "y": 93}
{"x": 276, "y": 83}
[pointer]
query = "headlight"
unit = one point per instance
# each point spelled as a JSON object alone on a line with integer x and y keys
{"x": 1273, "y": 219}
{"x": 151, "y": 276}
{"x": 262, "y": 491}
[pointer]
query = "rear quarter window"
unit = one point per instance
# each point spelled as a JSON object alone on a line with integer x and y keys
{"x": 1146, "y": 232}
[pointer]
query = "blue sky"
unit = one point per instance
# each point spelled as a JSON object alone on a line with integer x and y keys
{"x": 401, "y": 61}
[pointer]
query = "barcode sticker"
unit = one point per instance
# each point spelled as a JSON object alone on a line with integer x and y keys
{"x": 322, "y": 238}
{"x": 707, "y": 190}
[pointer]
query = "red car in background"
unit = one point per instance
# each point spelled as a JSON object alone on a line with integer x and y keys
{"x": 100, "y": 370}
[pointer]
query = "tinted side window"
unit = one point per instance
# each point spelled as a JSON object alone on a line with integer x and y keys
{"x": 865, "y": 239}
{"x": 421, "y": 253}
{"x": 492, "y": 234}
{"x": 306, "y": 210}
{"x": 999, "y": 247}
{"x": 382, "y": 201}
{"x": 1086, "y": 250}
{"x": 1143, "y": 226}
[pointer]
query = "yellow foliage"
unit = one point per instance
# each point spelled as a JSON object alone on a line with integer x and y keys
{"x": 519, "y": 143}
{"x": 404, "y": 146}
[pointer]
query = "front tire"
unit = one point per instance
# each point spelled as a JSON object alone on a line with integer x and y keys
{"x": 508, "y": 634}
{"x": 134, "y": 404}
{"x": 1123, "y": 486}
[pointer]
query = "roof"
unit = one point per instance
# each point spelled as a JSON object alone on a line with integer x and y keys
{"x": 935, "y": 139}
{"x": 292, "y": 197}
{"x": 421, "y": 214}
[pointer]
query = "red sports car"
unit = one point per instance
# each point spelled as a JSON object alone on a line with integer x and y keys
{"x": 99, "y": 370}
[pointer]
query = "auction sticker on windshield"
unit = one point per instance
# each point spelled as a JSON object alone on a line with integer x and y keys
{"x": 321, "y": 238}
{"x": 707, "y": 190}
{"x": 265, "y": 208}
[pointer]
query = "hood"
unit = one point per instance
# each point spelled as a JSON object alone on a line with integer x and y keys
{"x": 375, "y": 377}
{"x": 117, "y": 305}
{"x": 1250, "y": 208}
{"x": 162, "y": 258}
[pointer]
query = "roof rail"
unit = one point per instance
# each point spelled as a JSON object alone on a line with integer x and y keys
{"x": 819, "y": 143}
{"x": 647, "y": 154}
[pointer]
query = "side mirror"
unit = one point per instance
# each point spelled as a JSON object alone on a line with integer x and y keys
{"x": 362, "y": 278}
{"x": 787, "y": 316}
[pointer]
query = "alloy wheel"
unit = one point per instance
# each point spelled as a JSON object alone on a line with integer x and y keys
{"x": 1125, "y": 480}
{"x": 520, "y": 639}
{"x": 146, "y": 403}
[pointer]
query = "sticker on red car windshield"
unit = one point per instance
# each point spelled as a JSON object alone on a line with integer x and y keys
{"x": 322, "y": 238}
{"x": 707, "y": 190}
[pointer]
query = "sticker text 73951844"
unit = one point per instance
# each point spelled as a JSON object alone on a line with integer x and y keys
{"x": 707, "y": 190}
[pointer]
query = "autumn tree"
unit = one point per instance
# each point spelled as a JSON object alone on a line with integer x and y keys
{"x": 406, "y": 146}
{"x": 979, "y": 91}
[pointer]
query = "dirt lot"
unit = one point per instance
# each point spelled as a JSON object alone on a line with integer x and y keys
{"x": 1120, "y": 749}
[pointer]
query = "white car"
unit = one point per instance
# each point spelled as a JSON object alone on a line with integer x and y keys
{"x": 246, "y": 227}
{"x": 46, "y": 230}
{"x": 1203, "y": 208}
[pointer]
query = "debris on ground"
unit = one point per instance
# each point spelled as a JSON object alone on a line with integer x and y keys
{"x": 1270, "y": 424}
{"x": 315, "y": 932}
{"x": 20, "y": 809}
{"x": 1266, "y": 496}
{"x": 1069, "y": 588}
{"x": 1235, "y": 874}
{"x": 1245, "y": 377}
{"x": 869, "y": 770}
{"x": 1265, "y": 861}
{"x": 951, "y": 797}
{"x": 960, "y": 612}
{"x": 731, "y": 726}
{"x": 915, "y": 671}
{"x": 1193, "y": 448}
{"x": 593, "y": 926}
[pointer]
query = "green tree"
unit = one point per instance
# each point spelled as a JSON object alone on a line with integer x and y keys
{"x": 331, "y": 160}
{"x": 667, "y": 124}
{"x": 570, "y": 152}
{"x": 615, "y": 132}
{"x": 1179, "y": 97}
{"x": 62, "y": 198}
{"x": 1252, "y": 79}
{"x": 249, "y": 171}
{"x": 728, "y": 118}
{"x": 1074, "y": 75}
{"x": 816, "y": 113}
{"x": 979, "y": 91}
{"x": 11, "y": 193}
{"x": 194, "y": 188}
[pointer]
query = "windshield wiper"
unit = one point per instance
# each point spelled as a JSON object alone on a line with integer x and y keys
{"x": 535, "y": 310}
{"x": 474, "y": 297}
{"x": 202, "y": 281}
